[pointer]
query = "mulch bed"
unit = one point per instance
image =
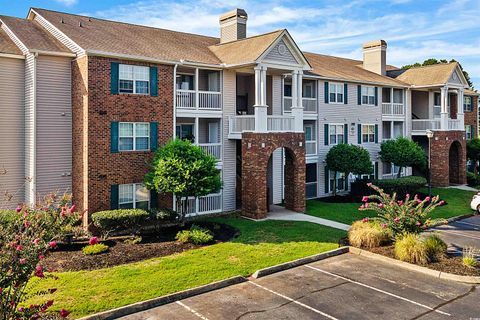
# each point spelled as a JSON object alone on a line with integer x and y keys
{"x": 69, "y": 257}
{"x": 449, "y": 264}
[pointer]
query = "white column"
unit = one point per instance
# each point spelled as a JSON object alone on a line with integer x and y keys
{"x": 444, "y": 109}
{"x": 408, "y": 112}
{"x": 297, "y": 105}
{"x": 196, "y": 131}
{"x": 260, "y": 106}
{"x": 294, "y": 88}
{"x": 196, "y": 89}
{"x": 460, "y": 115}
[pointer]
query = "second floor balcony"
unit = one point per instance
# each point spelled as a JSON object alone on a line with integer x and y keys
{"x": 393, "y": 109}
{"x": 198, "y": 89}
{"x": 246, "y": 123}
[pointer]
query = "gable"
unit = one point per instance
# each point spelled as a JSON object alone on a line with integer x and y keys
{"x": 455, "y": 77}
{"x": 284, "y": 51}
{"x": 281, "y": 53}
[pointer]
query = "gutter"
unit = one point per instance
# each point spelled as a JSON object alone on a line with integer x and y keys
{"x": 13, "y": 56}
{"x": 53, "y": 53}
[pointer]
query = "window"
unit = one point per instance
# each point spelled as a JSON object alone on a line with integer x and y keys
{"x": 368, "y": 95}
{"x": 397, "y": 96}
{"x": 134, "y": 79}
{"x": 467, "y": 104}
{"x": 185, "y": 82}
{"x": 308, "y": 90}
{"x": 309, "y": 134}
{"x": 336, "y": 93}
{"x": 336, "y": 133}
{"x": 368, "y": 133}
{"x": 287, "y": 89}
{"x": 341, "y": 181}
{"x": 133, "y": 136}
{"x": 387, "y": 168}
{"x": 437, "y": 99}
{"x": 311, "y": 181}
{"x": 468, "y": 132}
{"x": 133, "y": 196}
{"x": 370, "y": 176}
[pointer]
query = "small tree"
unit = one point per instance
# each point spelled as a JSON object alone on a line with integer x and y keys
{"x": 348, "y": 158}
{"x": 402, "y": 152}
{"x": 185, "y": 170}
{"x": 473, "y": 152}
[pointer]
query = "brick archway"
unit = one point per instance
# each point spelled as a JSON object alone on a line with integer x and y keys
{"x": 257, "y": 149}
{"x": 448, "y": 158}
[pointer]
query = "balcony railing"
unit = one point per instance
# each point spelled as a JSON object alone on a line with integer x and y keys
{"x": 213, "y": 149}
{"x": 454, "y": 124}
{"x": 425, "y": 124}
{"x": 393, "y": 109}
{"x": 280, "y": 123}
{"x": 311, "y": 147}
{"x": 239, "y": 124}
{"x": 207, "y": 100}
{"x": 211, "y": 203}
{"x": 309, "y": 105}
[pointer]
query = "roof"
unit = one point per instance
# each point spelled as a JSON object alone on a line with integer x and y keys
{"x": 425, "y": 75}
{"x": 245, "y": 50}
{"x": 33, "y": 36}
{"x": 345, "y": 69}
{"x": 7, "y": 45}
{"x": 470, "y": 92}
{"x": 94, "y": 34}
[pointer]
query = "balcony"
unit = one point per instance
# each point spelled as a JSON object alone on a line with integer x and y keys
{"x": 309, "y": 105}
{"x": 419, "y": 126}
{"x": 198, "y": 89}
{"x": 213, "y": 149}
{"x": 393, "y": 109}
{"x": 246, "y": 123}
{"x": 187, "y": 99}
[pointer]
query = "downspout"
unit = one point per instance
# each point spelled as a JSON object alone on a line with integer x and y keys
{"x": 174, "y": 202}
{"x": 34, "y": 131}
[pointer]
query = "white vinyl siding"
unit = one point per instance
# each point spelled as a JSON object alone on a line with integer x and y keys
{"x": 30, "y": 145}
{"x": 229, "y": 146}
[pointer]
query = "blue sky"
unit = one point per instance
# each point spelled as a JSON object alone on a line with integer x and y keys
{"x": 414, "y": 30}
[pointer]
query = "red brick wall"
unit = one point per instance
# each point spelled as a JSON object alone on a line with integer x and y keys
{"x": 448, "y": 166}
{"x": 471, "y": 116}
{"x": 106, "y": 168}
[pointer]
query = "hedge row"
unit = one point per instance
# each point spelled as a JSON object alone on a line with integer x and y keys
{"x": 401, "y": 186}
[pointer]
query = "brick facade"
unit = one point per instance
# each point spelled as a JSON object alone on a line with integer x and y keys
{"x": 95, "y": 167}
{"x": 257, "y": 149}
{"x": 448, "y": 158}
{"x": 471, "y": 116}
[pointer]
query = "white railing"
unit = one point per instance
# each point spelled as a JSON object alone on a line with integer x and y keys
{"x": 425, "y": 124}
{"x": 209, "y": 100}
{"x": 311, "y": 147}
{"x": 309, "y": 104}
{"x": 213, "y": 149}
{"x": 211, "y": 203}
{"x": 239, "y": 124}
{"x": 185, "y": 99}
{"x": 280, "y": 123}
{"x": 393, "y": 109}
{"x": 454, "y": 124}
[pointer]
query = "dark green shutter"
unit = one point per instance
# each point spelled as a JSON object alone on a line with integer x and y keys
{"x": 326, "y": 92}
{"x": 153, "y": 81}
{"x": 153, "y": 199}
{"x": 345, "y": 133}
{"x": 376, "y": 96}
{"x": 327, "y": 180}
{"x": 359, "y": 95}
{"x": 376, "y": 133}
{"x": 345, "y": 93}
{"x": 114, "y": 77}
{"x": 153, "y": 136}
{"x": 114, "y": 137}
{"x": 376, "y": 170}
{"x": 359, "y": 134}
{"x": 325, "y": 134}
{"x": 114, "y": 196}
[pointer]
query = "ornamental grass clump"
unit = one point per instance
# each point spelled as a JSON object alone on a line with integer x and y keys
{"x": 410, "y": 215}
{"x": 368, "y": 234}
{"x": 469, "y": 257}
{"x": 436, "y": 247}
{"x": 410, "y": 248}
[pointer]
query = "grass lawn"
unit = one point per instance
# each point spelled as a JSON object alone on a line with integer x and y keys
{"x": 458, "y": 203}
{"x": 260, "y": 244}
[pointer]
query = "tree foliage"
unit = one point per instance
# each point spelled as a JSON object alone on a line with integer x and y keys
{"x": 185, "y": 170}
{"x": 348, "y": 158}
{"x": 473, "y": 151}
{"x": 402, "y": 152}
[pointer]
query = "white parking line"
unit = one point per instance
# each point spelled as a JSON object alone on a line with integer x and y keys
{"x": 294, "y": 301}
{"x": 378, "y": 290}
{"x": 458, "y": 234}
{"x": 192, "y": 310}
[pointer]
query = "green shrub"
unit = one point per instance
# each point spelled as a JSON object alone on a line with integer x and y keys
{"x": 119, "y": 220}
{"x": 401, "y": 186}
{"x": 367, "y": 234}
{"x": 133, "y": 240}
{"x": 196, "y": 235}
{"x": 8, "y": 217}
{"x": 164, "y": 214}
{"x": 469, "y": 258}
{"x": 183, "y": 236}
{"x": 410, "y": 248}
{"x": 435, "y": 246}
{"x": 473, "y": 179}
{"x": 93, "y": 249}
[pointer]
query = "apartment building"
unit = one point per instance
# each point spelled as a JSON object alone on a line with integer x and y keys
{"x": 87, "y": 101}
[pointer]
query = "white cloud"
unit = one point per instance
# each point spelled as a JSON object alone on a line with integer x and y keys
{"x": 67, "y": 2}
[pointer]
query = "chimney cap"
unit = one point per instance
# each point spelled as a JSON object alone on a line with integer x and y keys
{"x": 374, "y": 43}
{"x": 240, "y": 13}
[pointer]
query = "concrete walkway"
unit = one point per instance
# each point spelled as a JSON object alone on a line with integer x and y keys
{"x": 463, "y": 187}
{"x": 280, "y": 213}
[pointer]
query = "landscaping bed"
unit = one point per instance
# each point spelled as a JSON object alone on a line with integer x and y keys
{"x": 69, "y": 257}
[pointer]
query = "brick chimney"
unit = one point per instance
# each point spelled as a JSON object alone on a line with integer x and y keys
{"x": 233, "y": 25}
{"x": 375, "y": 56}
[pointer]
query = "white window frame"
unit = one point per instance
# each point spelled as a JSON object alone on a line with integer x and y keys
{"x": 368, "y": 133}
{"x": 134, "y": 136}
{"x": 134, "y": 195}
{"x": 312, "y": 128}
{"x": 338, "y": 177}
{"x": 313, "y": 90}
{"x": 369, "y": 92}
{"x": 134, "y": 78}
{"x": 339, "y": 91}
{"x": 467, "y": 106}
{"x": 468, "y": 132}
{"x": 336, "y": 125}
{"x": 369, "y": 176}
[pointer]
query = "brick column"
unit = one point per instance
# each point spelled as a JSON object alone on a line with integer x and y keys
{"x": 448, "y": 167}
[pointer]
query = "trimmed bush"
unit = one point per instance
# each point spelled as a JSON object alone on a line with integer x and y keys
{"x": 367, "y": 234}
{"x": 93, "y": 249}
{"x": 8, "y": 216}
{"x": 195, "y": 235}
{"x": 410, "y": 248}
{"x": 183, "y": 236}
{"x": 401, "y": 186}
{"x": 435, "y": 246}
{"x": 122, "y": 219}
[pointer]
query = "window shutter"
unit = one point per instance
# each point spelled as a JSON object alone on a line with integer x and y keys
{"x": 376, "y": 170}
{"x": 325, "y": 134}
{"x": 153, "y": 199}
{"x": 153, "y": 81}
{"x": 114, "y": 196}
{"x": 326, "y": 92}
{"x": 114, "y": 137}
{"x": 345, "y": 133}
{"x": 359, "y": 134}
{"x": 359, "y": 95}
{"x": 376, "y": 133}
{"x": 153, "y": 136}
{"x": 376, "y": 96}
{"x": 345, "y": 93}
{"x": 114, "y": 74}
{"x": 327, "y": 180}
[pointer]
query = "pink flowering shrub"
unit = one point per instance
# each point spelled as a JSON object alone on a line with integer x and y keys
{"x": 24, "y": 243}
{"x": 401, "y": 216}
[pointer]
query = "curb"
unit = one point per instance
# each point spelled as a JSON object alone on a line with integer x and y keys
{"x": 453, "y": 219}
{"x": 414, "y": 267}
{"x": 295, "y": 263}
{"x": 155, "y": 302}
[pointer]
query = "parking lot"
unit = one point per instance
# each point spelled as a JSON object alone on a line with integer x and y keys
{"x": 343, "y": 287}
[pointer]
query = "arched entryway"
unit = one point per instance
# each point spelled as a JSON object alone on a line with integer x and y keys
{"x": 454, "y": 163}
{"x": 448, "y": 158}
{"x": 257, "y": 150}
